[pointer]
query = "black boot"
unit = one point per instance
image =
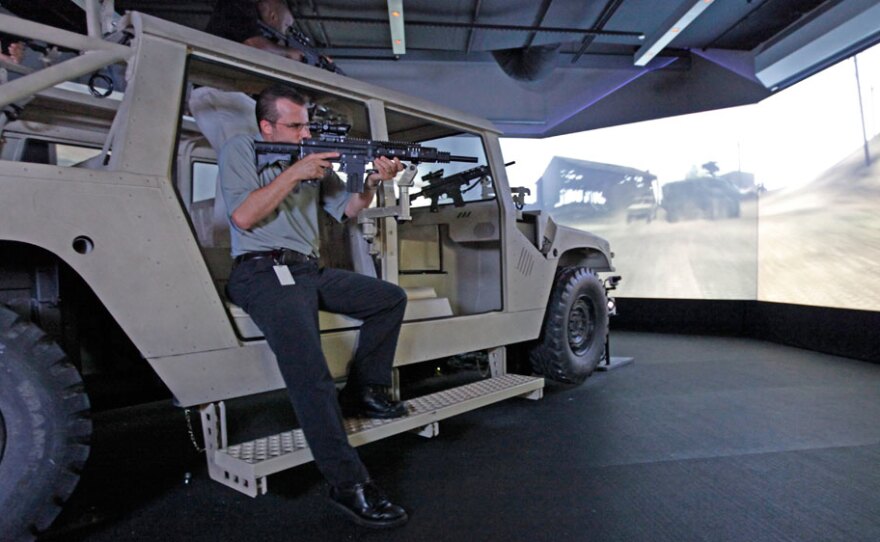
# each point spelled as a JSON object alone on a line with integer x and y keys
{"x": 366, "y": 505}
{"x": 370, "y": 402}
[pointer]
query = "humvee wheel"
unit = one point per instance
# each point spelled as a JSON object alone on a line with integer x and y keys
{"x": 573, "y": 338}
{"x": 44, "y": 428}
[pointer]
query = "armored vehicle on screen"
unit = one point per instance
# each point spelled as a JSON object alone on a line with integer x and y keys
{"x": 114, "y": 252}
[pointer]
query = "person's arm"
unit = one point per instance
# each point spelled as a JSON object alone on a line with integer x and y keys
{"x": 15, "y": 51}
{"x": 358, "y": 202}
{"x": 265, "y": 44}
{"x": 263, "y": 201}
{"x": 386, "y": 170}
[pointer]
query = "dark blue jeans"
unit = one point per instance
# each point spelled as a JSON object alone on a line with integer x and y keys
{"x": 288, "y": 318}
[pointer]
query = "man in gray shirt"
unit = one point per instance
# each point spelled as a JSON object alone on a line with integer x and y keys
{"x": 273, "y": 215}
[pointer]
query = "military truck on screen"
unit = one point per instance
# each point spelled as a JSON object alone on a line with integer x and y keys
{"x": 708, "y": 198}
{"x": 642, "y": 207}
{"x": 114, "y": 250}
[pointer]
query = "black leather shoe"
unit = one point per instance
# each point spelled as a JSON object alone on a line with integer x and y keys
{"x": 366, "y": 505}
{"x": 370, "y": 402}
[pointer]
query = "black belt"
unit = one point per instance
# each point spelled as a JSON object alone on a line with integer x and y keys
{"x": 281, "y": 256}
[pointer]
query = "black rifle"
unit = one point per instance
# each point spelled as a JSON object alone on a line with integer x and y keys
{"x": 354, "y": 154}
{"x": 450, "y": 186}
{"x": 294, "y": 39}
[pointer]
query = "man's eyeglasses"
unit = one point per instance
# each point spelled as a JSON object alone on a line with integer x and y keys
{"x": 295, "y": 126}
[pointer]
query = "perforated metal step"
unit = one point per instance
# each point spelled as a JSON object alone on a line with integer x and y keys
{"x": 245, "y": 466}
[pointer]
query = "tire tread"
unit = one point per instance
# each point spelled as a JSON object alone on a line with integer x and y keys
{"x": 62, "y": 380}
{"x": 549, "y": 356}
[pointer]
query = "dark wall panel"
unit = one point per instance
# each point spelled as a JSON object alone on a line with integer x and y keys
{"x": 715, "y": 317}
{"x": 842, "y": 332}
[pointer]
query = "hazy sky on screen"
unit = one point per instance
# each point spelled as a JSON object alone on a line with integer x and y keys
{"x": 785, "y": 141}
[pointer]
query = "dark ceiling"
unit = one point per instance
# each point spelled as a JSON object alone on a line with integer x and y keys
{"x": 579, "y": 76}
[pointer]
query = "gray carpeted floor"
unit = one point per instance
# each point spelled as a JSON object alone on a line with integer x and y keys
{"x": 702, "y": 438}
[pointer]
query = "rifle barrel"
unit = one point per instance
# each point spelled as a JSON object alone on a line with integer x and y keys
{"x": 457, "y": 158}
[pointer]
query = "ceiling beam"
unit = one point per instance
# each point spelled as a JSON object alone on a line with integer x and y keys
{"x": 589, "y": 61}
{"x": 539, "y": 20}
{"x": 670, "y": 29}
{"x": 474, "y": 17}
{"x": 606, "y": 14}
{"x": 395, "y": 21}
{"x": 482, "y": 26}
{"x": 325, "y": 37}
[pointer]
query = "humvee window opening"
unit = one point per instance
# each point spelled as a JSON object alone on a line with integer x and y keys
{"x": 324, "y": 107}
{"x": 44, "y": 151}
{"x": 467, "y": 182}
{"x": 453, "y": 242}
{"x": 468, "y": 259}
{"x": 71, "y": 155}
{"x": 404, "y": 127}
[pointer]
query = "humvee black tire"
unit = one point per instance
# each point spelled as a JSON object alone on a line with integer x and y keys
{"x": 44, "y": 428}
{"x": 572, "y": 340}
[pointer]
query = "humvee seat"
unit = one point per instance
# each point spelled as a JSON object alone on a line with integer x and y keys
{"x": 422, "y": 303}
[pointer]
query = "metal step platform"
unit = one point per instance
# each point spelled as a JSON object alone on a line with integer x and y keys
{"x": 245, "y": 466}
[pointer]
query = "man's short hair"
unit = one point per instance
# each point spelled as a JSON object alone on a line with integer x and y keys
{"x": 267, "y": 99}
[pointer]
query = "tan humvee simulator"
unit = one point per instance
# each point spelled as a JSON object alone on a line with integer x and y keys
{"x": 113, "y": 232}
